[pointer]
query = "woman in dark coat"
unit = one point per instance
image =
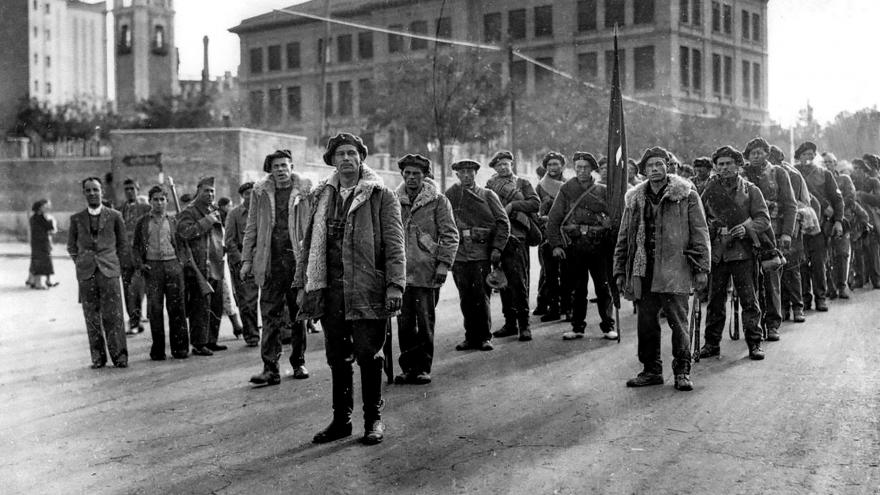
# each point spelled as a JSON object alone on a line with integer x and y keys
{"x": 42, "y": 227}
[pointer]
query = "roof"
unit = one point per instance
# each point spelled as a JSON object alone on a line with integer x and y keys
{"x": 338, "y": 8}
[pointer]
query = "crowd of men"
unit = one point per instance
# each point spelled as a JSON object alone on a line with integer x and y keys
{"x": 746, "y": 227}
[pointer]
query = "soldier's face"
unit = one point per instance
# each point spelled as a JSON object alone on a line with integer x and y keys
{"x": 726, "y": 167}
{"x": 347, "y": 160}
{"x": 757, "y": 157}
{"x": 703, "y": 172}
{"x": 413, "y": 177}
{"x": 583, "y": 168}
{"x": 130, "y": 192}
{"x": 93, "y": 193}
{"x": 830, "y": 164}
{"x": 281, "y": 169}
{"x": 466, "y": 176}
{"x": 158, "y": 203}
{"x": 504, "y": 167}
{"x": 554, "y": 168}
{"x": 655, "y": 169}
{"x": 206, "y": 194}
{"x": 807, "y": 157}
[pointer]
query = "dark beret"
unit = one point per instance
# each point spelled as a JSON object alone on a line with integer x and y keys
{"x": 776, "y": 154}
{"x": 465, "y": 164}
{"x": 703, "y": 162}
{"x": 247, "y": 186}
{"x": 206, "y": 181}
{"x": 344, "y": 138}
{"x": 805, "y": 146}
{"x": 872, "y": 161}
{"x": 655, "y": 152}
{"x": 553, "y": 156}
{"x": 501, "y": 155}
{"x": 415, "y": 161}
{"x": 730, "y": 152}
{"x": 756, "y": 143}
{"x": 589, "y": 158}
{"x": 267, "y": 163}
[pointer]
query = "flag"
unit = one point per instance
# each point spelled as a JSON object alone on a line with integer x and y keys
{"x": 617, "y": 162}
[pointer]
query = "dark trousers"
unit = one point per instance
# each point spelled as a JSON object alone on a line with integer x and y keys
{"x": 165, "y": 290}
{"x": 675, "y": 306}
{"x": 813, "y": 287}
{"x": 837, "y": 266}
{"x": 101, "y": 302}
{"x": 584, "y": 261}
{"x": 247, "y": 296}
{"x": 555, "y": 292}
{"x": 515, "y": 263}
{"x": 204, "y": 312}
{"x": 744, "y": 283}
{"x": 346, "y": 341}
{"x": 133, "y": 289}
{"x": 792, "y": 298}
{"x": 772, "y": 303}
{"x": 415, "y": 329}
{"x": 871, "y": 257}
{"x": 276, "y": 296}
{"x": 473, "y": 295}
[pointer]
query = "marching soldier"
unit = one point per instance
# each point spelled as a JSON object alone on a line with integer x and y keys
{"x": 578, "y": 230}
{"x": 554, "y": 294}
{"x": 662, "y": 253}
{"x": 246, "y": 291}
{"x": 520, "y": 203}
{"x": 865, "y": 178}
{"x": 352, "y": 275}
{"x": 737, "y": 217}
{"x": 840, "y": 248}
{"x": 132, "y": 281}
{"x": 483, "y": 229}
{"x": 431, "y": 243}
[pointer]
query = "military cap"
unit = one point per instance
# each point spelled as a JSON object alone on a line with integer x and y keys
{"x": 206, "y": 181}
{"x": 757, "y": 143}
{"x": 553, "y": 156}
{"x": 588, "y": 157}
{"x": 655, "y": 152}
{"x": 501, "y": 155}
{"x": 703, "y": 162}
{"x": 465, "y": 165}
{"x": 341, "y": 139}
{"x": 267, "y": 163}
{"x": 805, "y": 146}
{"x": 729, "y": 152}
{"x": 247, "y": 186}
{"x": 415, "y": 160}
{"x": 776, "y": 155}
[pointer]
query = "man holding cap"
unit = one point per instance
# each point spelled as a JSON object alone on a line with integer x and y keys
{"x": 483, "y": 229}
{"x": 431, "y": 242}
{"x": 351, "y": 276}
{"x": 245, "y": 289}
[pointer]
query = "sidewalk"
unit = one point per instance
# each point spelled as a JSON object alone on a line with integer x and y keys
{"x": 23, "y": 250}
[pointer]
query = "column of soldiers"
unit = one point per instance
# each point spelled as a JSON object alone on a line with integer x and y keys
{"x": 351, "y": 253}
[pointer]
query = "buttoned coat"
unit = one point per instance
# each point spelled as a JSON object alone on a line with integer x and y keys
{"x": 105, "y": 251}
{"x": 478, "y": 208}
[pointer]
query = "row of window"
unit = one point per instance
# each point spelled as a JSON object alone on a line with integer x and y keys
{"x": 615, "y": 13}
{"x": 690, "y": 12}
{"x": 691, "y": 74}
{"x": 643, "y": 67}
{"x": 339, "y": 101}
{"x": 48, "y": 60}
{"x": 158, "y": 44}
{"x": 37, "y": 87}
{"x": 48, "y": 8}
{"x": 47, "y": 34}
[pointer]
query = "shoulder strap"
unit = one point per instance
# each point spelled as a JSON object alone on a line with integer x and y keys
{"x": 588, "y": 192}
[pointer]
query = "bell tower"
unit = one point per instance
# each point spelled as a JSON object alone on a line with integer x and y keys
{"x": 146, "y": 58}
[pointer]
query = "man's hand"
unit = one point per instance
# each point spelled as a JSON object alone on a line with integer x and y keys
{"x": 837, "y": 229}
{"x": 785, "y": 241}
{"x": 214, "y": 216}
{"x": 393, "y": 298}
{"x": 559, "y": 253}
{"x": 440, "y": 273}
{"x": 246, "y": 268}
{"x": 700, "y": 281}
{"x": 620, "y": 280}
{"x": 738, "y": 232}
{"x": 495, "y": 257}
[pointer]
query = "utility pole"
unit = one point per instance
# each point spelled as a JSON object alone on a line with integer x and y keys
{"x": 512, "y": 96}
{"x": 324, "y": 56}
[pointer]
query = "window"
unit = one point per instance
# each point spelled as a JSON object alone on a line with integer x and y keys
{"x": 418, "y": 27}
{"x": 158, "y": 39}
{"x": 716, "y": 17}
{"x": 696, "y": 12}
{"x": 609, "y": 66}
{"x": 256, "y": 60}
{"x": 746, "y": 24}
{"x": 365, "y": 45}
{"x": 343, "y": 48}
{"x": 48, "y": 88}
{"x": 321, "y": 51}
{"x": 294, "y": 103}
{"x": 728, "y": 76}
{"x": 36, "y": 32}
{"x": 516, "y": 24}
{"x": 36, "y": 5}
{"x": 48, "y": 8}
{"x": 395, "y": 41}
{"x": 346, "y": 98}
{"x": 492, "y": 27}
{"x": 614, "y": 10}
{"x": 697, "y": 64}
{"x": 747, "y": 80}
{"x": 37, "y": 86}
{"x": 366, "y": 96}
{"x": 586, "y": 15}
{"x": 728, "y": 19}
{"x": 275, "y": 58}
{"x": 124, "y": 39}
{"x": 275, "y": 107}
{"x": 255, "y": 106}
{"x": 444, "y": 27}
{"x": 542, "y": 75}
{"x": 716, "y": 74}
{"x": 543, "y": 21}
{"x": 588, "y": 66}
{"x": 47, "y": 34}
{"x": 518, "y": 73}
{"x": 48, "y": 61}
{"x": 643, "y": 11}
{"x": 643, "y": 57}
{"x": 757, "y": 89}
{"x": 683, "y": 12}
{"x": 756, "y": 27}
{"x": 328, "y": 99}
{"x": 684, "y": 66}
{"x": 293, "y": 60}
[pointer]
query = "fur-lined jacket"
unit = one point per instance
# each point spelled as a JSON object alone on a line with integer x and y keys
{"x": 372, "y": 249}
{"x": 681, "y": 240}
{"x": 256, "y": 247}
{"x": 431, "y": 234}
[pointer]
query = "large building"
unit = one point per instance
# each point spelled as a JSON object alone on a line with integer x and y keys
{"x": 703, "y": 57}
{"x": 53, "y": 51}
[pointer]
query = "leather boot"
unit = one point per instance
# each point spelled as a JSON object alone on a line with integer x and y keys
{"x": 525, "y": 331}
{"x": 343, "y": 404}
{"x": 371, "y": 390}
{"x": 269, "y": 375}
{"x": 508, "y": 329}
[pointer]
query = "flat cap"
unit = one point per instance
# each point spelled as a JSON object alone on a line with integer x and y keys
{"x": 729, "y": 152}
{"x": 465, "y": 165}
{"x": 805, "y": 146}
{"x": 757, "y": 143}
{"x": 501, "y": 155}
{"x": 415, "y": 160}
{"x": 655, "y": 152}
{"x": 553, "y": 156}
{"x": 588, "y": 157}
{"x": 267, "y": 162}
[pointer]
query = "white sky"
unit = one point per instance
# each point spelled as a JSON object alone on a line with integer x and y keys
{"x": 821, "y": 51}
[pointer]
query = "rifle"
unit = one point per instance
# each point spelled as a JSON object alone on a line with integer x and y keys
{"x": 204, "y": 287}
{"x": 694, "y": 326}
{"x": 388, "y": 350}
{"x": 733, "y": 328}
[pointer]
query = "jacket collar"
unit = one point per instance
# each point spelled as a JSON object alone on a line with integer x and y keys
{"x": 369, "y": 180}
{"x": 677, "y": 189}
{"x": 428, "y": 193}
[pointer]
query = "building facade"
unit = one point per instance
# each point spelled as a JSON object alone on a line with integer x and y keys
{"x": 703, "y": 57}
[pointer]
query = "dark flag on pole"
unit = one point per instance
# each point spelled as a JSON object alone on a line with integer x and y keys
{"x": 617, "y": 168}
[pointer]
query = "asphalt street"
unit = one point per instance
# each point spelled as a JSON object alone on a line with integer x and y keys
{"x": 547, "y": 416}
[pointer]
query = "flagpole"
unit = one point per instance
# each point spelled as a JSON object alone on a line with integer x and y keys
{"x": 617, "y": 165}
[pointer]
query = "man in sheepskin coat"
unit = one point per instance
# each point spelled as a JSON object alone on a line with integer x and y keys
{"x": 662, "y": 253}
{"x": 351, "y": 276}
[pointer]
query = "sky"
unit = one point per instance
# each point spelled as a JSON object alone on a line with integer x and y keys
{"x": 820, "y": 51}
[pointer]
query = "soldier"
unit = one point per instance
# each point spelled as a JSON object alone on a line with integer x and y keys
{"x": 199, "y": 226}
{"x": 865, "y": 179}
{"x": 662, "y": 252}
{"x": 702, "y": 171}
{"x": 483, "y": 229}
{"x": 272, "y": 237}
{"x": 840, "y": 248}
{"x": 775, "y": 187}
{"x": 554, "y": 294}
{"x": 97, "y": 244}
{"x": 431, "y": 242}
{"x": 157, "y": 257}
{"x": 246, "y": 290}
{"x": 352, "y": 278}
{"x": 132, "y": 281}
{"x": 578, "y": 230}
{"x": 520, "y": 203}
{"x": 824, "y": 189}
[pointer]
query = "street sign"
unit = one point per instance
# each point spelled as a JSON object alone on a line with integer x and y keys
{"x": 154, "y": 160}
